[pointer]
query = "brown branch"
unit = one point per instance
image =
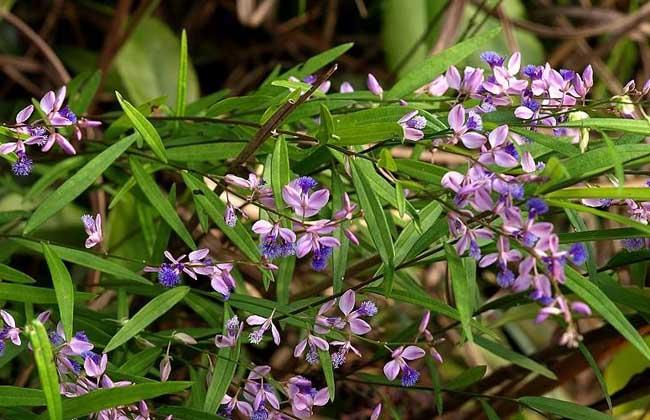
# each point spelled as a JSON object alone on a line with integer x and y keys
{"x": 276, "y": 119}
{"x": 52, "y": 58}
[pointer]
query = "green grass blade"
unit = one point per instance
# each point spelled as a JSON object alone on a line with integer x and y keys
{"x": 44, "y": 358}
{"x": 143, "y": 127}
{"x": 63, "y": 287}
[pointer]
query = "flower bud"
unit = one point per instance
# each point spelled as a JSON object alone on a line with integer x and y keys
{"x": 583, "y": 141}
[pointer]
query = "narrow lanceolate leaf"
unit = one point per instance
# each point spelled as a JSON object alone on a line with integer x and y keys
{"x": 181, "y": 87}
{"x": 31, "y": 294}
{"x": 63, "y": 287}
{"x": 563, "y": 409}
{"x": 13, "y": 396}
{"x": 76, "y": 184}
{"x": 633, "y": 193}
{"x": 328, "y": 371}
{"x": 514, "y": 357}
{"x": 463, "y": 279}
{"x": 158, "y": 200}
{"x": 340, "y": 253}
{"x": 140, "y": 363}
{"x": 437, "y": 64}
{"x": 216, "y": 209}
{"x": 101, "y": 399}
{"x": 377, "y": 222}
{"x": 224, "y": 370}
{"x": 153, "y": 310}
{"x": 600, "y": 302}
{"x": 604, "y": 214}
{"x": 86, "y": 259}
{"x": 613, "y": 124}
{"x": 280, "y": 176}
{"x": 13, "y": 275}
{"x": 44, "y": 358}
{"x": 144, "y": 128}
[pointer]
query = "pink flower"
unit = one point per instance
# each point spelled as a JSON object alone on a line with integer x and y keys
{"x": 232, "y": 404}
{"x": 255, "y": 337}
{"x": 95, "y": 368}
{"x": 304, "y": 204}
{"x": 312, "y": 241}
{"x": 93, "y": 229}
{"x": 9, "y": 331}
{"x": 374, "y": 86}
{"x": 304, "y": 397}
{"x": 400, "y": 355}
{"x": 501, "y": 151}
{"x": 376, "y": 412}
{"x": 314, "y": 343}
{"x": 346, "y": 305}
{"x": 462, "y": 130}
{"x": 233, "y": 330}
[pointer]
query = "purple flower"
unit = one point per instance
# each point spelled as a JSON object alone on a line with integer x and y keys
{"x": 500, "y": 151}
{"x": 376, "y": 412}
{"x": 492, "y": 59}
{"x": 398, "y": 364}
{"x": 61, "y": 141}
{"x": 339, "y": 358}
{"x": 169, "y": 274}
{"x": 23, "y": 165}
{"x": 502, "y": 257}
{"x": 346, "y": 305}
{"x": 233, "y": 330}
{"x": 314, "y": 343}
{"x": 9, "y": 330}
{"x": 428, "y": 337}
{"x": 95, "y": 366}
{"x": 265, "y": 323}
{"x": 312, "y": 241}
{"x": 276, "y": 240}
{"x": 346, "y": 87}
{"x": 412, "y": 125}
{"x": 324, "y": 323}
{"x": 222, "y": 280}
{"x": 232, "y": 404}
{"x": 257, "y": 187}
{"x": 633, "y": 244}
{"x": 304, "y": 397}
{"x": 304, "y": 204}
{"x": 578, "y": 253}
{"x": 374, "y": 86}
{"x": 536, "y": 207}
{"x": 230, "y": 217}
{"x": 93, "y": 229}
{"x": 461, "y": 131}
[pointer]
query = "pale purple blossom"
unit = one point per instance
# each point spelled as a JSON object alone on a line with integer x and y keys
{"x": 312, "y": 344}
{"x": 412, "y": 125}
{"x": 399, "y": 364}
{"x": 501, "y": 152}
{"x": 465, "y": 130}
{"x": 297, "y": 195}
{"x": 255, "y": 337}
{"x": 304, "y": 396}
{"x": 374, "y": 86}
{"x": 93, "y": 228}
{"x": 231, "y": 334}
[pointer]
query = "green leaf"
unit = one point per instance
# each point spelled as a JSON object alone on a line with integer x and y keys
{"x": 76, "y": 184}
{"x": 181, "y": 86}
{"x": 489, "y": 411}
{"x": 101, "y": 399}
{"x": 226, "y": 365}
{"x": 463, "y": 279}
{"x": 562, "y": 145}
{"x": 613, "y": 124}
{"x": 437, "y": 64}
{"x": 404, "y": 23}
{"x": 514, "y": 357}
{"x": 81, "y": 91}
{"x": 143, "y": 127}
{"x": 216, "y": 209}
{"x": 13, "y": 275}
{"x": 321, "y": 60}
{"x": 139, "y": 364}
{"x": 328, "y": 372}
{"x": 467, "y": 378}
{"x": 326, "y": 129}
{"x": 148, "y": 64}
{"x": 153, "y": 310}
{"x": 52, "y": 175}
{"x": 563, "y": 408}
{"x": 209, "y": 152}
{"x": 601, "y": 303}
{"x": 39, "y": 295}
{"x": 377, "y": 222}
{"x": 44, "y": 358}
{"x": 13, "y": 396}
{"x": 63, "y": 287}
{"x": 371, "y": 133}
{"x": 280, "y": 176}
{"x": 159, "y": 201}
{"x": 184, "y": 413}
{"x": 85, "y": 259}
{"x": 597, "y": 373}
{"x": 604, "y": 214}
{"x": 340, "y": 253}
{"x": 633, "y": 193}
{"x": 427, "y": 172}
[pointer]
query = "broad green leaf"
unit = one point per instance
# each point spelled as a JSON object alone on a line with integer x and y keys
{"x": 13, "y": 396}
{"x": 216, "y": 209}
{"x": 32, "y": 294}
{"x": 564, "y": 409}
{"x": 411, "y": 242}
{"x": 140, "y": 363}
{"x": 181, "y": 85}
{"x": 514, "y": 357}
{"x": 463, "y": 280}
{"x": 328, "y": 372}
{"x": 224, "y": 369}
{"x": 76, "y": 184}
{"x": 613, "y": 124}
{"x": 326, "y": 130}
{"x": 377, "y": 223}
{"x": 404, "y": 23}
{"x": 101, "y": 399}
{"x": 437, "y": 64}
{"x": 44, "y": 358}
{"x": 13, "y": 275}
{"x": 53, "y": 174}
{"x": 371, "y": 133}
{"x": 85, "y": 259}
{"x": 143, "y": 127}
{"x": 600, "y": 302}
{"x": 158, "y": 200}
{"x": 63, "y": 287}
{"x": 148, "y": 64}
{"x": 153, "y": 310}
{"x": 562, "y": 145}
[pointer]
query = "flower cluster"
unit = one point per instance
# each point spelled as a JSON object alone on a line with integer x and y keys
{"x": 58, "y": 120}
{"x": 198, "y": 263}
